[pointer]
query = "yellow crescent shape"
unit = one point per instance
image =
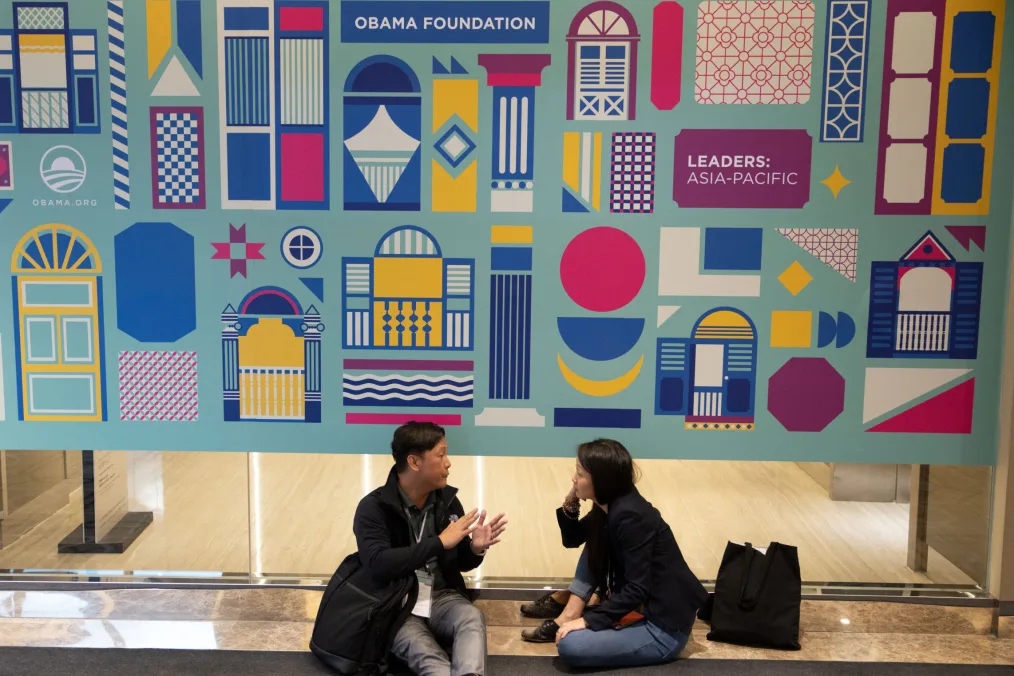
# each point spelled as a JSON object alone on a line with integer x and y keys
{"x": 600, "y": 388}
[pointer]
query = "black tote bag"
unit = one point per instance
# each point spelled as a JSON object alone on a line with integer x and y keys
{"x": 757, "y": 597}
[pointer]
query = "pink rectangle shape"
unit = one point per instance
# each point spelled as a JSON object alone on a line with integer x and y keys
{"x": 401, "y": 419}
{"x": 301, "y": 19}
{"x": 302, "y": 167}
{"x": 666, "y": 55}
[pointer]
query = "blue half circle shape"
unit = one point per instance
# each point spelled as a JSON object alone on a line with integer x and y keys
{"x": 825, "y": 329}
{"x": 600, "y": 338}
{"x": 846, "y": 330}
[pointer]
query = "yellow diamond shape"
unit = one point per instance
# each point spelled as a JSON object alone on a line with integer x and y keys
{"x": 795, "y": 278}
{"x": 835, "y": 182}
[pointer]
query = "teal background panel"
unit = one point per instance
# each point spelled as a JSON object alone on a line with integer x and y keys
{"x": 90, "y": 210}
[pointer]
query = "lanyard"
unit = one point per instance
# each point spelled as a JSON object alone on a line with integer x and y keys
{"x": 422, "y": 526}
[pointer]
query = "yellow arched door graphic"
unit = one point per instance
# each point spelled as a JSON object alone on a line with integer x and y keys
{"x": 272, "y": 372}
{"x": 57, "y": 274}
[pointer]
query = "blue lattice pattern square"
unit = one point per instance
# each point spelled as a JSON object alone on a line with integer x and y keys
{"x": 844, "y": 98}
{"x": 178, "y": 158}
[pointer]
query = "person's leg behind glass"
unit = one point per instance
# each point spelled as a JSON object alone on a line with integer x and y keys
{"x": 579, "y": 593}
{"x": 418, "y": 648}
{"x": 639, "y": 644}
{"x": 456, "y": 621}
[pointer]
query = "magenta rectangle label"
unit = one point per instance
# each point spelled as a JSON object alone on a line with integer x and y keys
{"x": 401, "y": 418}
{"x": 409, "y": 364}
{"x": 742, "y": 168}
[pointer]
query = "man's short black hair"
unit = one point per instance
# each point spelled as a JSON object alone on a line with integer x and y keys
{"x": 414, "y": 438}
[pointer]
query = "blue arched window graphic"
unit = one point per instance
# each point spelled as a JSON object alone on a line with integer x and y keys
{"x": 924, "y": 305}
{"x": 271, "y": 358}
{"x": 382, "y": 133}
{"x": 710, "y": 378}
{"x": 58, "y": 326}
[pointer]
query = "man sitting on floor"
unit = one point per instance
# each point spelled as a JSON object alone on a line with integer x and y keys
{"x": 415, "y": 525}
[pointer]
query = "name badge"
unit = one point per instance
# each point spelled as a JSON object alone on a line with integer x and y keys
{"x": 425, "y": 600}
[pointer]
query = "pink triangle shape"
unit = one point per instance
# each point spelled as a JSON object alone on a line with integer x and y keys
{"x": 949, "y": 412}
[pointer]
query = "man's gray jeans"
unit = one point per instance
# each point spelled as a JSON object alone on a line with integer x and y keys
{"x": 453, "y": 621}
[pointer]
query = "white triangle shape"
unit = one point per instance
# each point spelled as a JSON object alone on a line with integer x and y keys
{"x": 382, "y": 135}
{"x": 887, "y": 389}
{"x": 665, "y": 312}
{"x": 175, "y": 81}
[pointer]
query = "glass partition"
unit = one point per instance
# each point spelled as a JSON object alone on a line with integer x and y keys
{"x": 274, "y": 517}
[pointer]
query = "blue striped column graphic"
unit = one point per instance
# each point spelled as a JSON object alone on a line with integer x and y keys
{"x": 118, "y": 103}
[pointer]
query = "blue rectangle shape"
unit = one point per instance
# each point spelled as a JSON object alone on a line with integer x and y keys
{"x": 972, "y": 42}
{"x": 967, "y": 108}
{"x": 86, "y": 101}
{"x": 7, "y": 101}
{"x": 446, "y": 21}
{"x": 510, "y": 258}
{"x": 605, "y": 418}
{"x": 963, "y": 173}
{"x": 249, "y": 158}
{"x": 733, "y": 248}
{"x": 246, "y": 18}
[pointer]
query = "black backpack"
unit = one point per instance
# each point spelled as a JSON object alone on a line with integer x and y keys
{"x": 354, "y": 629}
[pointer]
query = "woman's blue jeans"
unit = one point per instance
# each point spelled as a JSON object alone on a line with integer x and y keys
{"x": 638, "y": 644}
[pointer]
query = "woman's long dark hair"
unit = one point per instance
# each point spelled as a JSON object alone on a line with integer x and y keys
{"x": 613, "y": 475}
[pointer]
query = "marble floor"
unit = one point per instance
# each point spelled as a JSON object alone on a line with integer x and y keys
{"x": 292, "y": 514}
{"x": 281, "y": 619}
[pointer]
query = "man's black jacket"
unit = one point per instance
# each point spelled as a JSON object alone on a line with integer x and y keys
{"x": 387, "y": 547}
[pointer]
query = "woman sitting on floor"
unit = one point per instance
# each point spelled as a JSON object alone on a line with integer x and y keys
{"x": 631, "y": 557}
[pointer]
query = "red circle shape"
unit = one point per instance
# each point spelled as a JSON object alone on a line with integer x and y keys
{"x": 602, "y": 269}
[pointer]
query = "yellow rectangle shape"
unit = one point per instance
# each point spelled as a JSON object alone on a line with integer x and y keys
{"x": 408, "y": 332}
{"x": 947, "y": 77}
{"x": 791, "y": 328}
{"x": 511, "y": 234}
{"x": 455, "y": 97}
{"x": 38, "y": 40}
{"x": 408, "y": 277}
{"x": 572, "y": 159}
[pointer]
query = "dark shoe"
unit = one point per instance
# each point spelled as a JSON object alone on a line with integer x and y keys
{"x": 546, "y": 608}
{"x": 544, "y": 633}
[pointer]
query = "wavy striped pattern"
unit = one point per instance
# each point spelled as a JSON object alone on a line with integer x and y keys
{"x": 400, "y": 390}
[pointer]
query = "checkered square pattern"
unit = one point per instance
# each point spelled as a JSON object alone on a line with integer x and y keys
{"x": 632, "y": 182}
{"x": 158, "y": 386}
{"x": 178, "y": 158}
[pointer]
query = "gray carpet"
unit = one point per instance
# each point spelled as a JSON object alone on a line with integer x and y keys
{"x": 112, "y": 662}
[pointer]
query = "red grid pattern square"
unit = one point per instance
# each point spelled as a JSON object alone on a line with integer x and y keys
{"x": 754, "y": 52}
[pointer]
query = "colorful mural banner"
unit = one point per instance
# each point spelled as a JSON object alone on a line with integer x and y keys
{"x": 751, "y": 230}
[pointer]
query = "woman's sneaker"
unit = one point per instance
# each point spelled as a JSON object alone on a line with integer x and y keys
{"x": 546, "y": 608}
{"x": 544, "y": 633}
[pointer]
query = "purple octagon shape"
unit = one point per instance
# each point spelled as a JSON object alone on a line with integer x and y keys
{"x": 806, "y": 394}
